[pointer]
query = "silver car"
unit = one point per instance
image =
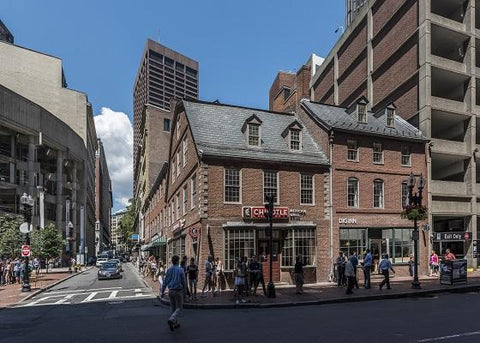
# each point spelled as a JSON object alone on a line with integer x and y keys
{"x": 109, "y": 270}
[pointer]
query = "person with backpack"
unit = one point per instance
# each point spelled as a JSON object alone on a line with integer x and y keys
{"x": 175, "y": 282}
{"x": 385, "y": 266}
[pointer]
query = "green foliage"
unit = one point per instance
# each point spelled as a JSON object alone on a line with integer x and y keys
{"x": 46, "y": 242}
{"x": 11, "y": 239}
{"x": 415, "y": 212}
{"x": 126, "y": 225}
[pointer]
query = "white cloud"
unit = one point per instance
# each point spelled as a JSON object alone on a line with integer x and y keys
{"x": 115, "y": 131}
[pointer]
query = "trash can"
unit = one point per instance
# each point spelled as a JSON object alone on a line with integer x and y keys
{"x": 453, "y": 272}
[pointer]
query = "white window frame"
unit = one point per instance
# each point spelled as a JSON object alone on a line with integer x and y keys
{"x": 402, "y": 198}
{"x": 193, "y": 191}
{"x": 178, "y": 207}
{"x": 172, "y": 170}
{"x": 352, "y": 150}
{"x": 390, "y": 117}
{"x": 362, "y": 113}
{"x": 409, "y": 155}
{"x": 184, "y": 151}
{"x": 178, "y": 163}
{"x": 278, "y": 185}
{"x": 381, "y": 199}
{"x": 313, "y": 189}
{"x": 239, "y": 186}
{"x": 299, "y": 140}
{"x": 251, "y": 125}
{"x": 185, "y": 200}
{"x": 177, "y": 128}
{"x": 356, "y": 196}
{"x": 375, "y": 153}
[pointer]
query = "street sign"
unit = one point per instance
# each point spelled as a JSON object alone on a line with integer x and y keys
{"x": 25, "y": 250}
{"x": 25, "y": 229}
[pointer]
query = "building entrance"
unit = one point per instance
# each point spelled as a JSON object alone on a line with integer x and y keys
{"x": 265, "y": 255}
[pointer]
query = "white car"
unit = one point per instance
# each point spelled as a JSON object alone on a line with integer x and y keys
{"x": 101, "y": 260}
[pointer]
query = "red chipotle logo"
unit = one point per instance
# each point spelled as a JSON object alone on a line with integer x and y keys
{"x": 259, "y": 213}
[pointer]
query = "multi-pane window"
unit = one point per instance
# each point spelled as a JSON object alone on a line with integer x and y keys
{"x": 270, "y": 185}
{"x": 178, "y": 163}
{"x": 352, "y": 150}
{"x": 390, "y": 117}
{"x": 298, "y": 242}
{"x": 193, "y": 188}
{"x": 166, "y": 125}
{"x": 253, "y": 134}
{"x": 173, "y": 173}
{"x": 362, "y": 113}
{"x": 404, "y": 194}
{"x": 352, "y": 192}
{"x": 294, "y": 139}
{"x": 232, "y": 185}
{"x": 406, "y": 160}
{"x": 177, "y": 204}
{"x": 378, "y": 193}
{"x": 306, "y": 189}
{"x": 178, "y": 128}
{"x": 185, "y": 199}
{"x": 377, "y": 153}
{"x": 172, "y": 209}
{"x": 238, "y": 243}
{"x": 184, "y": 151}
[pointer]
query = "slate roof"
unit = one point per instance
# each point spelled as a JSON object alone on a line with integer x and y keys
{"x": 217, "y": 132}
{"x": 334, "y": 117}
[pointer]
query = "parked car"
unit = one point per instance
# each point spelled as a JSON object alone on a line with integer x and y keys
{"x": 116, "y": 260}
{"x": 109, "y": 270}
{"x": 101, "y": 261}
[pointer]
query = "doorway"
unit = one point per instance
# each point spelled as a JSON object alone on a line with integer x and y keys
{"x": 378, "y": 248}
{"x": 265, "y": 255}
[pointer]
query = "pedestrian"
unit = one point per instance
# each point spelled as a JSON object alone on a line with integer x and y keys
{"x": 354, "y": 259}
{"x": 192, "y": 273}
{"x": 160, "y": 273}
{"x": 385, "y": 266}
{"x": 367, "y": 268}
{"x": 254, "y": 268}
{"x": 2, "y": 276}
{"x": 411, "y": 265}
{"x": 298, "y": 275}
{"x": 340, "y": 262}
{"x": 449, "y": 256}
{"x": 208, "y": 275}
{"x": 175, "y": 281}
{"x": 433, "y": 263}
{"x": 220, "y": 277}
{"x": 183, "y": 265}
{"x": 350, "y": 275}
{"x": 240, "y": 280}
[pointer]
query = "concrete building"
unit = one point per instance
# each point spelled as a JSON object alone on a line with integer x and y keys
{"x": 40, "y": 78}
{"x": 163, "y": 75}
{"x": 422, "y": 56}
{"x": 115, "y": 237}
{"x": 103, "y": 200}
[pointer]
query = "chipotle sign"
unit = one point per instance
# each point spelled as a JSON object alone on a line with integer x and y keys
{"x": 259, "y": 213}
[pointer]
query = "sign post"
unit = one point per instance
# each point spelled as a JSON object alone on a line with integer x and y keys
{"x": 25, "y": 250}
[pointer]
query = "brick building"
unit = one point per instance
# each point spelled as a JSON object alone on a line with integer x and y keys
{"x": 371, "y": 156}
{"x": 213, "y": 193}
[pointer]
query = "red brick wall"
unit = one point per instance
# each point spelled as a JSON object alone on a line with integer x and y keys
{"x": 382, "y": 11}
{"x": 353, "y": 47}
{"x": 275, "y": 95}
{"x": 353, "y": 83}
{"x": 325, "y": 83}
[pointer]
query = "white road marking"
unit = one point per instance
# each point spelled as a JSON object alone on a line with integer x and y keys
{"x": 442, "y": 338}
{"x": 82, "y": 291}
{"x": 64, "y": 300}
{"x": 113, "y": 295}
{"x": 90, "y": 297}
{"x": 138, "y": 292}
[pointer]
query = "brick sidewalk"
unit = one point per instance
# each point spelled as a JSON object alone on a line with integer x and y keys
{"x": 12, "y": 294}
{"x": 326, "y": 293}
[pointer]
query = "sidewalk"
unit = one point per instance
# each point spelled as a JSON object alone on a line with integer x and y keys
{"x": 327, "y": 293}
{"x": 12, "y": 294}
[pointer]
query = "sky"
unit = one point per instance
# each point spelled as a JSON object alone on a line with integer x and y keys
{"x": 240, "y": 47}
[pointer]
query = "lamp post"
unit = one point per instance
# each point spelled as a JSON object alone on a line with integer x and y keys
{"x": 69, "y": 237}
{"x": 415, "y": 202}
{"x": 269, "y": 214}
{"x": 26, "y": 205}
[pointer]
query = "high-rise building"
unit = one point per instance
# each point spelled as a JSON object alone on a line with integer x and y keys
{"x": 421, "y": 55}
{"x": 103, "y": 200}
{"x": 163, "y": 75}
{"x": 114, "y": 225}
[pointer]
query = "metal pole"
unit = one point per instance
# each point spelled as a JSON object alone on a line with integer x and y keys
{"x": 415, "y": 282}
{"x": 271, "y": 286}
{"x": 26, "y": 280}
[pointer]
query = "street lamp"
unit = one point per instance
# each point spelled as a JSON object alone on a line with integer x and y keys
{"x": 269, "y": 215}
{"x": 26, "y": 205}
{"x": 415, "y": 203}
{"x": 69, "y": 236}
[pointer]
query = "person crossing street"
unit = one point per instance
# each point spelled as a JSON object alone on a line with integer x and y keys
{"x": 175, "y": 281}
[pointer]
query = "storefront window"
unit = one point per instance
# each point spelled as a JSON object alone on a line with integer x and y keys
{"x": 176, "y": 246}
{"x": 238, "y": 243}
{"x": 403, "y": 245}
{"x": 353, "y": 241}
{"x": 298, "y": 242}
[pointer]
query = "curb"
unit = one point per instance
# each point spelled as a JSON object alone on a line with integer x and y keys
{"x": 41, "y": 290}
{"x": 416, "y": 294}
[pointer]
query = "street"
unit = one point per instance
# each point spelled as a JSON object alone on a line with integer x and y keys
{"x": 120, "y": 315}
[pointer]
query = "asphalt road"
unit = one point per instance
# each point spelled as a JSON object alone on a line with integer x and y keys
{"x": 447, "y": 318}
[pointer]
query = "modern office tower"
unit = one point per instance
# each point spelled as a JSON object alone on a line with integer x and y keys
{"x": 69, "y": 187}
{"x": 115, "y": 235}
{"x": 103, "y": 200}
{"x": 163, "y": 75}
{"x": 422, "y": 55}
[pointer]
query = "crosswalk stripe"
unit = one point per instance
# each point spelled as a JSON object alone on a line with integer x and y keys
{"x": 113, "y": 295}
{"x": 90, "y": 297}
{"x": 64, "y": 300}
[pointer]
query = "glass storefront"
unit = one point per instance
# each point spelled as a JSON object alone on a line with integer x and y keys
{"x": 396, "y": 242}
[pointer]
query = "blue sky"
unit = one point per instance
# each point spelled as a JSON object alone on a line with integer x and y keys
{"x": 240, "y": 45}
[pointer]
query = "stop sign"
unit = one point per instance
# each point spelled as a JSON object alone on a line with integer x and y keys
{"x": 25, "y": 250}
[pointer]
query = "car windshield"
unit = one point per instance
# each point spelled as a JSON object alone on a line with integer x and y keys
{"x": 109, "y": 265}
{"x": 114, "y": 261}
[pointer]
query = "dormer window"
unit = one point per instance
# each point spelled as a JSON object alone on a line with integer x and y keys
{"x": 390, "y": 117}
{"x": 362, "y": 113}
{"x": 295, "y": 140}
{"x": 253, "y": 134}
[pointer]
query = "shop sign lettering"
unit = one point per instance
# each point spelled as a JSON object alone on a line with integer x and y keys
{"x": 452, "y": 236}
{"x": 259, "y": 212}
{"x": 178, "y": 225}
{"x": 296, "y": 214}
{"x": 347, "y": 220}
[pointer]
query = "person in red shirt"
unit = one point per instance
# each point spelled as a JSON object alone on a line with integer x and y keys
{"x": 449, "y": 255}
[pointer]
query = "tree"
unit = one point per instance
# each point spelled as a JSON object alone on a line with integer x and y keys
{"x": 47, "y": 242}
{"x": 11, "y": 238}
{"x": 126, "y": 225}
